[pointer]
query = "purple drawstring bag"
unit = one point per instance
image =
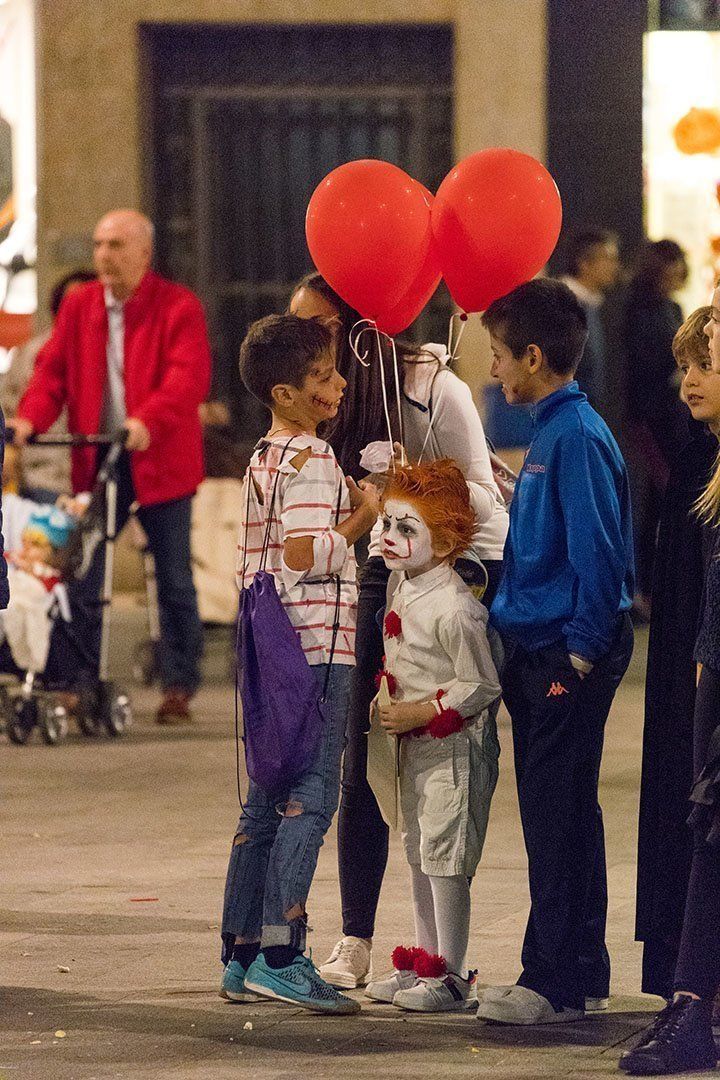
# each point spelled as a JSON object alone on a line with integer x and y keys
{"x": 281, "y": 698}
{"x": 278, "y": 689}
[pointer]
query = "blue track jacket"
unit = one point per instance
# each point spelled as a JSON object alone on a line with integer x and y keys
{"x": 569, "y": 553}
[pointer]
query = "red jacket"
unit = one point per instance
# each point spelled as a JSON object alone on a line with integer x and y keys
{"x": 167, "y": 376}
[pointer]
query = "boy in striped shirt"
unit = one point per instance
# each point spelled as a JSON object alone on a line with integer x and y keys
{"x": 300, "y": 520}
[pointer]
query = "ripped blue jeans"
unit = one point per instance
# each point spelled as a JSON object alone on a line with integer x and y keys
{"x": 276, "y": 846}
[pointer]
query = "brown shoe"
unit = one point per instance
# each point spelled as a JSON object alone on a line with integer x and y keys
{"x": 174, "y": 709}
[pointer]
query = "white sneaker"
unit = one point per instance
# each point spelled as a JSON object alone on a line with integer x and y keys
{"x": 521, "y": 1005}
{"x": 387, "y": 988}
{"x": 449, "y": 993}
{"x": 348, "y": 965}
{"x": 595, "y": 1004}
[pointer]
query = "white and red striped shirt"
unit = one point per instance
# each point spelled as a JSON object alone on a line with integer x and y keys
{"x": 306, "y": 504}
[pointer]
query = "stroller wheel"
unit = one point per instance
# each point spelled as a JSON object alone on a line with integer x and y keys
{"x": 24, "y": 718}
{"x": 146, "y": 663}
{"x": 54, "y": 723}
{"x": 86, "y": 714}
{"x": 115, "y": 710}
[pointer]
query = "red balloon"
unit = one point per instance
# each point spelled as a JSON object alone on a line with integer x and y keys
{"x": 496, "y": 220}
{"x": 369, "y": 233}
{"x": 406, "y": 310}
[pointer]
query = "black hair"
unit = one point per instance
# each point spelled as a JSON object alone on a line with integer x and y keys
{"x": 281, "y": 349}
{"x": 581, "y": 243}
{"x": 651, "y": 261}
{"x": 542, "y": 312}
{"x": 75, "y": 277}
{"x": 360, "y": 419}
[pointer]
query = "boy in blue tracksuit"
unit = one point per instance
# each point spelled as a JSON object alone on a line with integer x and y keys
{"x": 562, "y": 611}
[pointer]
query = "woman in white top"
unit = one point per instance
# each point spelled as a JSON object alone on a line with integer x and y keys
{"x": 439, "y": 420}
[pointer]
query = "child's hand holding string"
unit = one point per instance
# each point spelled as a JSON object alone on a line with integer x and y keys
{"x": 401, "y": 716}
{"x": 364, "y": 497}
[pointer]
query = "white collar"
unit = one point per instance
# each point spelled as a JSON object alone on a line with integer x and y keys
{"x": 586, "y": 296}
{"x": 419, "y": 375}
{"x": 412, "y": 588}
{"x": 111, "y": 303}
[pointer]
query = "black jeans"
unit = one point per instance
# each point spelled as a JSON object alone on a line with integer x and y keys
{"x": 558, "y": 723}
{"x": 698, "y": 966}
{"x": 362, "y": 833}
{"x": 167, "y": 526}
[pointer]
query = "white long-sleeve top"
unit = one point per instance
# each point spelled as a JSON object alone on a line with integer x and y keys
{"x": 433, "y": 394}
{"x": 442, "y": 644}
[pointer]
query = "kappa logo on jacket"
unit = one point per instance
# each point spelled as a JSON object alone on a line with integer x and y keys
{"x": 534, "y": 467}
{"x": 556, "y": 689}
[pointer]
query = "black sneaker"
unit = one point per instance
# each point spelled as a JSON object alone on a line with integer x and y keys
{"x": 679, "y": 1040}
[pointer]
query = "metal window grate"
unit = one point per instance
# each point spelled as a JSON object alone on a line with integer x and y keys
{"x": 235, "y": 165}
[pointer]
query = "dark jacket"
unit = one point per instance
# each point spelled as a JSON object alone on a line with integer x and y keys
{"x": 664, "y": 841}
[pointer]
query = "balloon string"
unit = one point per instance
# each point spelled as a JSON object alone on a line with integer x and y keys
{"x": 386, "y": 406}
{"x": 454, "y": 342}
{"x": 396, "y": 372}
{"x": 361, "y": 327}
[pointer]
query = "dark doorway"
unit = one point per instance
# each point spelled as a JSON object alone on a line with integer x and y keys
{"x": 245, "y": 121}
{"x": 595, "y": 137}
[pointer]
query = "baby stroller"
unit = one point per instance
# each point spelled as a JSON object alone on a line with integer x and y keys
{"x": 103, "y": 706}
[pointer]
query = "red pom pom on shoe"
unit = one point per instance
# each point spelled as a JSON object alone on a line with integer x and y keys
{"x": 393, "y": 625}
{"x": 446, "y": 723}
{"x": 429, "y": 967}
{"x": 403, "y": 958}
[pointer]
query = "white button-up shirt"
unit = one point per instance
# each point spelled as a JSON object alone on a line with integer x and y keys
{"x": 114, "y": 413}
{"x": 442, "y": 644}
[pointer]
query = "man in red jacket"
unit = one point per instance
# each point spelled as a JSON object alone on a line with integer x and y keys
{"x": 131, "y": 351}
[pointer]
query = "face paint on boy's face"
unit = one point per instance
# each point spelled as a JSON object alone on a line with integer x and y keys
{"x": 406, "y": 540}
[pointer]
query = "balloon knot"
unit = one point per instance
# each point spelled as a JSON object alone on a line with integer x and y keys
{"x": 463, "y": 317}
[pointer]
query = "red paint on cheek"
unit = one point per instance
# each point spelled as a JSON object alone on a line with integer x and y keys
{"x": 409, "y": 550}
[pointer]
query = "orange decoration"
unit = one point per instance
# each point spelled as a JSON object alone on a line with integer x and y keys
{"x": 698, "y": 132}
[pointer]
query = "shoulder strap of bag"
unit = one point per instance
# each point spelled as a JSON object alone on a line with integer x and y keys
{"x": 271, "y": 509}
{"x": 336, "y": 620}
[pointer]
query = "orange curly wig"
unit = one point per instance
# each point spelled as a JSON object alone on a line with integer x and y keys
{"x": 439, "y": 491}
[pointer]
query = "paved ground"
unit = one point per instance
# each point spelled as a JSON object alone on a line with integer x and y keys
{"x": 112, "y": 866}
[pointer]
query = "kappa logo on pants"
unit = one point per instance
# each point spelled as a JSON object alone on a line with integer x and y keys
{"x": 556, "y": 689}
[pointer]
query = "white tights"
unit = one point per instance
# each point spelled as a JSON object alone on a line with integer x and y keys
{"x": 442, "y": 917}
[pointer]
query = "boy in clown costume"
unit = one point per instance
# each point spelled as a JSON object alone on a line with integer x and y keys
{"x": 444, "y": 691}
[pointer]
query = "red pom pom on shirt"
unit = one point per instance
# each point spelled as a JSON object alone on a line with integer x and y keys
{"x": 446, "y": 723}
{"x": 393, "y": 625}
{"x": 391, "y": 681}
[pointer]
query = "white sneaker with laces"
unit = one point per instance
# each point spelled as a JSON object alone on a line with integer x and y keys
{"x": 348, "y": 965}
{"x": 597, "y": 1004}
{"x": 449, "y": 993}
{"x": 386, "y": 989}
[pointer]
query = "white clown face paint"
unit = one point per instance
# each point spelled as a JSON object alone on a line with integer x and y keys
{"x": 406, "y": 540}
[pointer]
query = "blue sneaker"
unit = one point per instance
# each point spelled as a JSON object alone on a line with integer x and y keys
{"x": 299, "y": 984}
{"x": 232, "y": 986}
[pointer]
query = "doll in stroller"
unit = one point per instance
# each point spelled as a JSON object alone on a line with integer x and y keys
{"x": 48, "y": 547}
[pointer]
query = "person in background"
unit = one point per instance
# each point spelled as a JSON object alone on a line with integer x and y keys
{"x": 440, "y": 420}
{"x": 681, "y": 1037}
{"x": 683, "y": 554}
{"x": 562, "y": 612}
{"x": 656, "y": 418}
{"x": 593, "y": 263}
{"x": 129, "y": 352}
{"x": 40, "y": 473}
